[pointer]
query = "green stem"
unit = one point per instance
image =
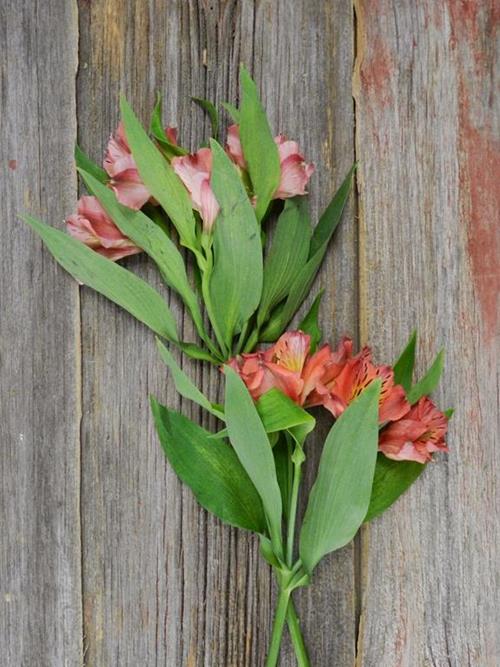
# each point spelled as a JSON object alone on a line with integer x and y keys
{"x": 296, "y": 635}
{"x": 278, "y": 626}
{"x": 205, "y": 278}
{"x": 242, "y": 337}
{"x": 252, "y": 341}
{"x": 298, "y": 459}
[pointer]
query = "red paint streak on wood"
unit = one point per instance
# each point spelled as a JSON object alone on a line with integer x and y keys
{"x": 375, "y": 72}
{"x": 12, "y": 165}
{"x": 480, "y": 150}
{"x": 480, "y": 174}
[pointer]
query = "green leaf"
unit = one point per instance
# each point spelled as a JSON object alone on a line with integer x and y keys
{"x": 449, "y": 413}
{"x": 183, "y": 384}
{"x": 300, "y": 288}
{"x": 341, "y": 493}
{"x": 196, "y": 352}
{"x": 153, "y": 240}
{"x": 210, "y": 109}
{"x": 391, "y": 479}
{"x": 287, "y": 256}
{"x": 332, "y": 215}
{"x": 252, "y": 446}
{"x": 305, "y": 277}
{"x": 236, "y": 281}
{"x": 403, "y": 368}
{"x": 279, "y": 413}
{"x": 108, "y": 278}
{"x": 159, "y": 178}
{"x": 429, "y": 382}
{"x": 232, "y": 111}
{"x": 310, "y": 323}
{"x": 284, "y": 471}
{"x": 157, "y": 130}
{"x": 259, "y": 148}
{"x": 84, "y": 162}
{"x": 210, "y": 468}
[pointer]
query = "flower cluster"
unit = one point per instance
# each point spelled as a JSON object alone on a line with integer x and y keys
{"x": 195, "y": 171}
{"x": 333, "y": 379}
{"x": 96, "y": 229}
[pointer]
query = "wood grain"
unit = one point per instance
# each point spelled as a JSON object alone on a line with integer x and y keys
{"x": 40, "y": 578}
{"x": 426, "y": 122}
{"x": 168, "y": 582}
{"x": 108, "y": 559}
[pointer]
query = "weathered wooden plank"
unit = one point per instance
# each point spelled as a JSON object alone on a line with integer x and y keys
{"x": 40, "y": 603}
{"x": 303, "y": 55}
{"x": 427, "y": 142}
{"x": 163, "y": 582}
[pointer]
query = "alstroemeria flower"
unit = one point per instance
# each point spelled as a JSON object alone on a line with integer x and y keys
{"x": 295, "y": 171}
{"x": 195, "y": 171}
{"x": 233, "y": 146}
{"x": 120, "y": 165}
{"x": 92, "y": 226}
{"x": 356, "y": 375}
{"x": 417, "y": 435}
{"x": 288, "y": 366}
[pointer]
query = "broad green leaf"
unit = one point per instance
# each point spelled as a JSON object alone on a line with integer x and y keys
{"x": 159, "y": 178}
{"x": 236, "y": 281}
{"x": 391, "y": 479}
{"x": 183, "y": 384}
{"x": 153, "y": 240}
{"x": 108, "y": 278}
{"x": 305, "y": 277}
{"x": 84, "y": 162}
{"x": 331, "y": 215}
{"x": 429, "y": 382}
{"x": 232, "y": 111}
{"x": 157, "y": 130}
{"x": 249, "y": 439}
{"x": 310, "y": 323}
{"x": 259, "y": 148}
{"x": 210, "y": 109}
{"x": 340, "y": 496}
{"x": 210, "y": 468}
{"x": 287, "y": 256}
{"x": 279, "y": 413}
{"x": 403, "y": 368}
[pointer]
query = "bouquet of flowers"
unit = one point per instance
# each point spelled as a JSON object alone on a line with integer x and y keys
{"x": 251, "y": 254}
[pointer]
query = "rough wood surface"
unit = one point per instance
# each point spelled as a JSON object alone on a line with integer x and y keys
{"x": 108, "y": 559}
{"x": 40, "y": 576}
{"x": 429, "y": 176}
{"x": 185, "y": 589}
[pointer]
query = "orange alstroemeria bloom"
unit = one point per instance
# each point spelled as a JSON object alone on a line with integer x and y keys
{"x": 332, "y": 378}
{"x": 288, "y": 366}
{"x": 417, "y": 435}
{"x": 356, "y": 375}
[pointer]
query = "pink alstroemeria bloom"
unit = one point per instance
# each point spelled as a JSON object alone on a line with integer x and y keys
{"x": 195, "y": 171}
{"x": 295, "y": 171}
{"x": 92, "y": 226}
{"x": 356, "y": 375}
{"x": 120, "y": 165}
{"x": 288, "y": 366}
{"x": 233, "y": 146}
{"x": 417, "y": 435}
